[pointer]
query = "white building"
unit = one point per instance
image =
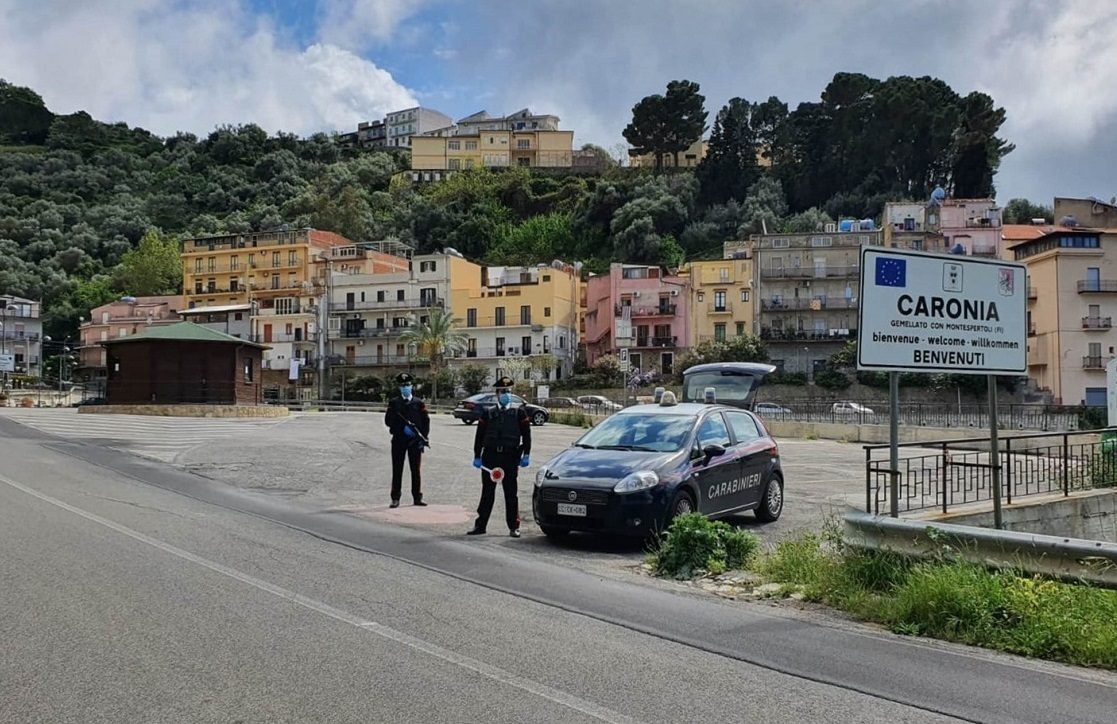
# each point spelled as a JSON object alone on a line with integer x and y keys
{"x": 21, "y": 334}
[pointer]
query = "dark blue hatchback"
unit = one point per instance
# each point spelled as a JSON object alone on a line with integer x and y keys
{"x": 636, "y": 470}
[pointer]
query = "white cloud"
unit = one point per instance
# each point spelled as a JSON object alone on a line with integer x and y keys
{"x": 357, "y": 24}
{"x": 170, "y": 66}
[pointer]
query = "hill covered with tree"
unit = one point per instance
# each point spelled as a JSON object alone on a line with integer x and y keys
{"x": 78, "y": 196}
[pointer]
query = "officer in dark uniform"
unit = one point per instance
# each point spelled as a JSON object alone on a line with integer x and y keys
{"x": 503, "y": 441}
{"x": 410, "y": 424}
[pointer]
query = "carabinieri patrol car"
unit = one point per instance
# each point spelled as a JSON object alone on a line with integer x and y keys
{"x": 638, "y": 469}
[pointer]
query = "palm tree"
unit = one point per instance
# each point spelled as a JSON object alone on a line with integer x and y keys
{"x": 436, "y": 338}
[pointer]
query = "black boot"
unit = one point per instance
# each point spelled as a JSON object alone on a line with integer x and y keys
{"x": 476, "y": 531}
{"x": 395, "y": 503}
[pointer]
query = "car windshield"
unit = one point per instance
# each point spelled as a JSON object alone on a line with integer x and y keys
{"x": 651, "y": 432}
{"x": 728, "y": 388}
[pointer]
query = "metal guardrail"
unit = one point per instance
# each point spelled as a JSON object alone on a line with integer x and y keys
{"x": 958, "y": 472}
{"x": 1032, "y": 417}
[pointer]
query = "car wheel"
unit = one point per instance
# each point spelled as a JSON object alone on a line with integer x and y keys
{"x": 467, "y": 421}
{"x": 681, "y": 504}
{"x": 554, "y": 533}
{"x": 771, "y": 503}
{"x": 538, "y": 418}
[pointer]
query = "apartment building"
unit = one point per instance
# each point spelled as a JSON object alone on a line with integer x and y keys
{"x": 1072, "y": 301}
{"x": 807, "y": 286}
{"x": 278, "y": 275}
{"x": 234, "y": 320}
{"x": 972, "y": 226}
{"x": 21, "y": 334}
{"x": 721, "y": 305}
{"x": 123, "y": 318}
{"x": 370, "y": 312}
{"x": 689, "y": 158}
{"x": 492, "y": 149}
{"x": 640, "y": 307}
{"x": 401, "y": 126}
{"x": 1090, "y": 212}
{"x": 511, "y": 312}
{"x": 905, "y": 226}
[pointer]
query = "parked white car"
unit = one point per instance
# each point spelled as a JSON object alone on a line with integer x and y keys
{"x": 850, "y": 409}
{"x": 771, "y": 409}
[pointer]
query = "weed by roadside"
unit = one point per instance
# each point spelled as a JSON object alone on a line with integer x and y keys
{"x": 695, "y": 545}
{"x": 573, "y": 418}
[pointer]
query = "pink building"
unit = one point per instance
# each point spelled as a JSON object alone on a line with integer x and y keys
{"x": 121, "y": 319}
{"x": 973, "y": 223}
{"x": 641, "y": 307}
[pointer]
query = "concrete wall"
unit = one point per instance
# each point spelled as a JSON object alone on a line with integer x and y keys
{"x": 221, "y": 411}
{"x": 1090, "y": 515}
{"x": 878, "y": 434}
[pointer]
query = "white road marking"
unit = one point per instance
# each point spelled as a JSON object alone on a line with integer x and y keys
{"x": 543, "y": 691}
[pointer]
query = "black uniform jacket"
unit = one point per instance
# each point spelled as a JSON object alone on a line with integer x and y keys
{"x": 401, "y": 411}
{"x": 508, "y": 428}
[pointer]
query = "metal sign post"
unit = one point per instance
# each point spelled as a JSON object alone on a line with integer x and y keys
{"x": 921, "y": 312}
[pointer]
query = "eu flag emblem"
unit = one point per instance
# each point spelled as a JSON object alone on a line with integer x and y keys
{"x": 892, "y": 272}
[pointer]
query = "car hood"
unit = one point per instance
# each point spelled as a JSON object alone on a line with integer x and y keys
{"x": 604, "y": 465}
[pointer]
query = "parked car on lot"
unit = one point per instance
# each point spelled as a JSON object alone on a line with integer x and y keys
{"x": 638, "y": 469}
{"x": 771, "y": 409}
{"x": 850, "y": 409}
{"x": 599, "y": 404}
{"x": 471, "y": 408}
{"x": 561, "y": 403}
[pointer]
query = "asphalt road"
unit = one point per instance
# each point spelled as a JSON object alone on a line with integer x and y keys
{"x": 135, "y": 592}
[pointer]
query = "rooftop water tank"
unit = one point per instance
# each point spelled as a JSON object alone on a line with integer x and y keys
{"x": 868, "y": 225}
{"x": 846, "y": 224}
{"x": 938, "y": 196}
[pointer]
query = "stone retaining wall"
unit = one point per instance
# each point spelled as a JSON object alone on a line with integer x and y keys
{"x": 216, "y": 411}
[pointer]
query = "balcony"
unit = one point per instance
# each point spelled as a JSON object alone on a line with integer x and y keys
{"x": 1094, "y": 363}
{"x": 790, "y": 335}
{"x": 796, "y": 272}
{"x": 1097, "y": 286}
{"x": 797, "y": 305}
{"x": 284, "y": 338}
{"x": 275, "y": 312}
{"x": 376, "y": 360}
{"x": 204, "y": 291}
{"x": 656, "y": 341}
{"x": 369, "y": 332}
{"x": 663, "y": 310}
{"x": 1095, "y": 323}
{"x": 424, "y": 303}
{"x": 11, "y": 334}
{"x": 723, "y": 308}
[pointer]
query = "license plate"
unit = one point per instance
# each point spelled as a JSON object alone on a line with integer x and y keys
{"x": 571, "y": 509}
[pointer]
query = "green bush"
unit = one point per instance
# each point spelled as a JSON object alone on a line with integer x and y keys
{"x": 573, "y": 417}
{"x": 695, "y": 544}
{"x": 832, "y": 380}
{"x": 787, "y": 378}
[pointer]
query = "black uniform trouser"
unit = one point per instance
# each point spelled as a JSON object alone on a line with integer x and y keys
{"x": 509, "y": 461}
{"x": 406, "y": 447}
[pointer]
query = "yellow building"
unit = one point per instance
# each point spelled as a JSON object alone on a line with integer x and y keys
{"x": 518, "y": 312}
{"x": 722, "y": 301}
{"x": 689, "y": 158}
{"x": 1072, "y": 301}
{"x": 493, "y": 149}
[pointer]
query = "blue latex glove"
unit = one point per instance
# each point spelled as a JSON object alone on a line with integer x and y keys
{"x": 477, "y": 463}
{"x": 408, "y": 432}
{"x": 525, "y": 461}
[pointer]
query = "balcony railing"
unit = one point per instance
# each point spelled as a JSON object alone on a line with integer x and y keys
{"x": 1097, "y": 286}
{"x": 662, "y": 310}
{"x": 284, "y": 338}
{"x": 11, "y": 334}
{"x": 793, "y": 305}
{"x": 377, "y": 360}
{"x": 424, "y": 303}
{"x": 723, "y": 308}
{"x": 1093, "y": 363}
{"x": 1097, "y": 322}
{"x": 788, "y": 335}
{"x": 19, "y": 312}
{"x": 796, "y": 272}
{"x": 369, "y": 332}
{"x": 656, "y": 341}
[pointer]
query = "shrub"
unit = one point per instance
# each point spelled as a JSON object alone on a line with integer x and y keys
{"x": 831, "y": 379}
{"x": 787, "y": 378}
{"x": 472, "y": 378}
{"x": 573, "y": 417}
{"x": 696, "y": 544}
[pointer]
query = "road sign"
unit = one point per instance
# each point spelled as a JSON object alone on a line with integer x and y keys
{"x": 923, "y": 312}
{"x": 622, "y": 355}
{"x": 7, "y": 363}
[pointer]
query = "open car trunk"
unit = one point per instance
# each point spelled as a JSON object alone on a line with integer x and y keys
{"x": 733, "y": 383}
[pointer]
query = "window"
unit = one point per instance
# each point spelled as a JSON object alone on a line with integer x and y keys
{"x": 248, "y": 370}
{"x": 744, "y": 427}
{"x": 744, "y": 295}
{"x": 454, "y": 145}
{"x": 234, "y": 285}
{"x": 400, "y": 295}
{"x": 211, "y": 264}
{"x": 471, "y": 145}
{"x": 523, "y": 161}
{"x": 454, "y": 164}
{"x": 719, "y": 331}
{"x": 500, "y": 346}
{"x": 719, "y": 300}
{"x": 713, "y": 432}
{"x": 198, "y": 266}
{"x": 292, "y": 258}
{"x": 723, "y": 272}
{"x": 525, "y": 314}
{"x": 400, "y": 322}
{"x": 546, "y": 311}
{"x": 211, "y": 285}
{"x": 525, "y": 346}
{"x": 471, "y": 347}
{"x": 239, "y": 316}
{"x": 380, "y": 296}
{"x": 428, "y": 266}
{"x": 471, "y": 317}
{"x": 234, "y": 263}
{"x": 740, "y": 329}
{"x": 546, "y": 344}
{"x": 499, "y": 318}
{"x": 780, "y": 243}
{"x": 275, "y": 258}
{"x": 197, "y": 288}
{"x": 822, "y": 241}
{"x": 523, "y": 144}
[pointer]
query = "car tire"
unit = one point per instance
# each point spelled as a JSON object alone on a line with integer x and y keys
{"x": 771, "y": 502}
{"x": 681, "y": 504}
{"x": 538, "y": 418}
{"x": 467, "y": 421}
{"x": 554, "y": 533}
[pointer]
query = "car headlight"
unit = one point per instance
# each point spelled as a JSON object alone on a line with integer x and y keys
{"x": 541, "y": 475}
{"x": 641, "y": 480}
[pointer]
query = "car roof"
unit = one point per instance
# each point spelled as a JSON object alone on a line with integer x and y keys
{"x": 689, "y": 409}
{"x": 741, "y": 367}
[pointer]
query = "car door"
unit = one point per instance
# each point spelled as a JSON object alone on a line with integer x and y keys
{"x": 755, "y": 455}
{"x": 714, "y": 478}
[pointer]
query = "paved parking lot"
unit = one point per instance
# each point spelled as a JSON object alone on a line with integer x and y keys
{"x": 340, "y": 461}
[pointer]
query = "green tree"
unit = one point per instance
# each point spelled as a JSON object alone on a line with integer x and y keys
{"x": 670, "y": 123}
{"x": 24, "y": 118}
{"x": 153, "y": 267}
{"x": 648, "y": 133}
{"x": 434, "y": 339}
{"x": 977, "y": 151}
{"x": 472, "y": 378}
{"x": 730, "y": 167}
{"x": 1022, "y": 211}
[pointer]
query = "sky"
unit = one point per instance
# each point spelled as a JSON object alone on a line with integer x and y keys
{"x": 305, "y": 66}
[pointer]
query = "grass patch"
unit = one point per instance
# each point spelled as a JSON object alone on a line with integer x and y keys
{"x": 954, "y": 600}
{"x": 573, "y": 418}
{"x": 695, "y": 545}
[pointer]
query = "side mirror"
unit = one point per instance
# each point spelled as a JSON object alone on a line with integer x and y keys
{"x": 712, "y": 451}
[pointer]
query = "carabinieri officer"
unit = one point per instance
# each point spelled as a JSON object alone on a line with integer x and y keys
{"x": 410, "y": 424}
{"x": 503, "y": 441}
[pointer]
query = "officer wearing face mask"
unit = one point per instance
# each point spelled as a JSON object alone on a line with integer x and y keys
{"x": 503, "y": 441}
{"x": 410, "y": 424}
